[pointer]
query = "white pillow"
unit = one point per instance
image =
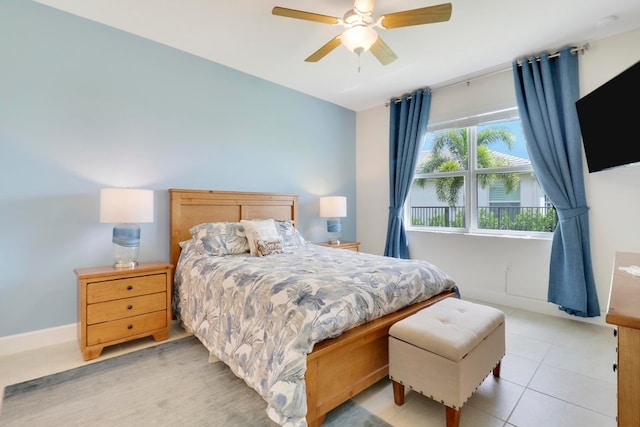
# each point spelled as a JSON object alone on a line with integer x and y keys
{"x": 259, "y": 229}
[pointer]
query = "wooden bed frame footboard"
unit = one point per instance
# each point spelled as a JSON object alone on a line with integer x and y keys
{"x": 342, "y": 367}
{"x": 338, "y": 368}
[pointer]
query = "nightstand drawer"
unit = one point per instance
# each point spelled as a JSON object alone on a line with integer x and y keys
{"x": 123, "y": 328}
{"x": 125, "y": 288}
{"x": 127, "y": 307}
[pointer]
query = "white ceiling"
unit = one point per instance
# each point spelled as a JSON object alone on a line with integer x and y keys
{"x": 480, "y": 36}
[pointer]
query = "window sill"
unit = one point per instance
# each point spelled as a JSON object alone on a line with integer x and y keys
{"x": 533, "y": 236}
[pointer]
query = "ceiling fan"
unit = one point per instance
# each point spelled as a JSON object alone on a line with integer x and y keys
{"x": 359, "y": 33}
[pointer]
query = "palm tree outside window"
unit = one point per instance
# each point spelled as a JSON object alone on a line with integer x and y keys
{"x": 478, "y": 178}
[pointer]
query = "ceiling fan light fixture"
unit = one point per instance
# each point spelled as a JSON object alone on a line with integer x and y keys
{"x": 359, "y": 33}
{"x": 359, "y": 38}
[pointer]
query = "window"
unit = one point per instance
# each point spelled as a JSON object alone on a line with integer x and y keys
{"x": 474, "y": 175}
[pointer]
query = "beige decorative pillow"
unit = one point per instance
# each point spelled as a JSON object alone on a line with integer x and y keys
{"x": 259, "y": 229}
{"x": 269, "y": 247}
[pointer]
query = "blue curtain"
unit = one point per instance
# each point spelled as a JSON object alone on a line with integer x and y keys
{"x": 407, "y": 131}
{"x": 546, "y": 91}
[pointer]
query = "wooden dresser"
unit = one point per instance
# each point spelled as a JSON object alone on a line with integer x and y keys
{"x": 118, "y": 305}
{"x": 624, "y": 311}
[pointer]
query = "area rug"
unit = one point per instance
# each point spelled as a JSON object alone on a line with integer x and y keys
{"x": 171, "y": 384}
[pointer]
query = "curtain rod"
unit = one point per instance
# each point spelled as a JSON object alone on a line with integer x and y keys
{"x": 579, "y": 49}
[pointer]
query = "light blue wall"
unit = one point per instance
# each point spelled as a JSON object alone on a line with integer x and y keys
{"x": 84, "y": 106}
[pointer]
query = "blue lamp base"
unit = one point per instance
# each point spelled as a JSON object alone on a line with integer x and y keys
{"x": 126, "y": 245}
{"x": 334, "y": 227}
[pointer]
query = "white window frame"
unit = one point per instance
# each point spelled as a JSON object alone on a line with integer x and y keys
{"x": 471, "y": 179}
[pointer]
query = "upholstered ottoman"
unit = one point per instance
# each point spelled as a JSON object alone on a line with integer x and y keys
{"x": 445, "y": 352}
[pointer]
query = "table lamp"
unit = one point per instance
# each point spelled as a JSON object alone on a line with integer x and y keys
{"x": 334, "y": 208}
{"x": 126, "y": 207}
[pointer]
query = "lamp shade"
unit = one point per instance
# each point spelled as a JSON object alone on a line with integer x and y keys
{"x": 126, "y": 205}
{"x": 333, "y": 207}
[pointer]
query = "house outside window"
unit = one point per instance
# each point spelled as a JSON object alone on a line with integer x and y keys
{"x": 474, "y": 175}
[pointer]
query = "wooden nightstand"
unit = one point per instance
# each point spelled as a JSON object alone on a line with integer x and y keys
{"x": 351, "y": 246}
{"x": 118, "y": 305}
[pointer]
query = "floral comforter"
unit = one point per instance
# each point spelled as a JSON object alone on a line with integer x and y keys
{"x": 262, "y": 315}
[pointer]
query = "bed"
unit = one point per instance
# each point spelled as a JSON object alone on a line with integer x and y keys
{"x": 335, "y": 369}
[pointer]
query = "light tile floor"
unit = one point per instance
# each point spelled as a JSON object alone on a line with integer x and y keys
{"x": 557, "y": 373}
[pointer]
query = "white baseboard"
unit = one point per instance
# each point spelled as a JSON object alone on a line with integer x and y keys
{"x": 529, "y": 304}
{"x": 37, "y": 339}
{"x": 44, "y": 337}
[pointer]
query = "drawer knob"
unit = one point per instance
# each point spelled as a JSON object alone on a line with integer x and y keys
{"x": 615, "y": 332}
{"x": 129, "y": 326}
{"x": 130, "y": 287}
{"x": 615, "y": 367}
{"x": 129, "y": 307}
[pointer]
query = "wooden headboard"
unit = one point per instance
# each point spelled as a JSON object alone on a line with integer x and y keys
{"x": 193, "y": 207}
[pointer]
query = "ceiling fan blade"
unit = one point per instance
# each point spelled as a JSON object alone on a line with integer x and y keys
{"x": 383, "y": 52}
{"x": 308, "y": 16}
{"x": 324, "y": 50}
{"x": 424, "y": 15}
{"x": 364, "y": 6}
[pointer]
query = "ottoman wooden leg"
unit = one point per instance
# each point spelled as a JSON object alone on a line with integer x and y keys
{"x": 496, "y": 370}
{"x": 453, "y": 417}
{"x": 398, "y": 393}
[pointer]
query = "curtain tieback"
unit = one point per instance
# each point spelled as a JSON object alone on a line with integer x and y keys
{"x": 570, "y": 213}
{"x": 397, "y": 212}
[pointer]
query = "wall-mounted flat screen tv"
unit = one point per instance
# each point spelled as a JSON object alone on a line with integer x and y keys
{"x": 609, "y": 117}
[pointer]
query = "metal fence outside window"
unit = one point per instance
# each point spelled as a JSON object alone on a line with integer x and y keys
{"x": 523, "y": 218}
